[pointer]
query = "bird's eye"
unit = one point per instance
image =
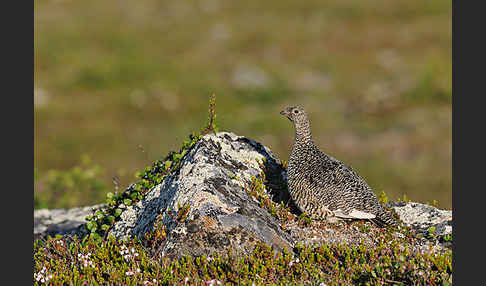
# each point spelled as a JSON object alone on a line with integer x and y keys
{"x": 296, "y": 111}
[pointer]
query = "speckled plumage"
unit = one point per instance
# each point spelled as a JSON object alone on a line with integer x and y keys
{"x": 321, "y": 185}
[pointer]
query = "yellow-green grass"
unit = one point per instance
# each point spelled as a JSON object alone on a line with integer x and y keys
{"x": 375, "y": 77}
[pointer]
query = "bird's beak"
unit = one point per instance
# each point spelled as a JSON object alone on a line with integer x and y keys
{"x": 286, "y": 113}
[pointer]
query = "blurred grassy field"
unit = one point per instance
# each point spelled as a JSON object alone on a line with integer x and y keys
{"x": 111, "y": 76}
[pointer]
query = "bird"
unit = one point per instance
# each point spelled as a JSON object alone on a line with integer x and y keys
{"x": 324, "y": 187}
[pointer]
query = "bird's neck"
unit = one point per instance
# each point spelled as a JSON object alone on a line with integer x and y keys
{"x": 303, "y": 134}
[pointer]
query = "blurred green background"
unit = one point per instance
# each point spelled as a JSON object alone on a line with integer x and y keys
{"x": 119, "y": 84}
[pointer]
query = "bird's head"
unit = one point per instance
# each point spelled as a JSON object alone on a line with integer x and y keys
{"x": 298, "y": 117}
{"x": 296, "y": 114}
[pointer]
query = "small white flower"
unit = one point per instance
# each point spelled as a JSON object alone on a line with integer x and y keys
{"x": 129, "y": 273}
{"x": 186, "y": 279}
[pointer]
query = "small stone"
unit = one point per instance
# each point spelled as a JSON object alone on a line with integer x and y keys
{"x": 192, "y": 228}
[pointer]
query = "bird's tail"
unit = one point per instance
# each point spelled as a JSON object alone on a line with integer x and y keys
{"x": 383, "y": 218}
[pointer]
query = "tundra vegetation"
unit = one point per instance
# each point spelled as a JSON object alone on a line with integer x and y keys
{"x": 97, "y": 258}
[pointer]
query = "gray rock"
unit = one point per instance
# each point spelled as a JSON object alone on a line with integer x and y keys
{"x": 61, "y": 221}
{"x": 212, "y": 179}
{"x": 423, "y": 218}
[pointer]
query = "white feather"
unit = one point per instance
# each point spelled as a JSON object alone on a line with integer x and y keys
{"x": 356, "y": 214}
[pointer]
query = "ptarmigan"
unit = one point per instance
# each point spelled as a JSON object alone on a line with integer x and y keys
{"x": 321, "y": 185}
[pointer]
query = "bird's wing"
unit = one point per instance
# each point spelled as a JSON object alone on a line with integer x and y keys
{"x": 340, "y": 183}
{"x": 332, "y": 172}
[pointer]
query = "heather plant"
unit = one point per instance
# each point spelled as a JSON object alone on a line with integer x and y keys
{"x": 112, "y": 262}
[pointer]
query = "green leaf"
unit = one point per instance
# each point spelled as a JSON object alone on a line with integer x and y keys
{"x": 183, "y": 153}
{"x": 109, "y": 195}
{"x": 145, "y": 183}
{"x": 92, "y": 226}
{"x": 105, "y": 227}
{"x": 118, "y": 212}
{"x": 167, "y": 164}
{"x": 99, "y": 214}
{"x": 95, "y": 236}
{"x": 89, "y": 225}
{"x": 127, "y": 202}
{"x": 111, "y": 218}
